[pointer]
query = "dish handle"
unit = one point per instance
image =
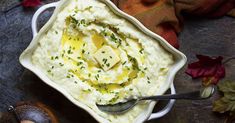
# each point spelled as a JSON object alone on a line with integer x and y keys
{"x": 166, "y": 109}
{"x": 37, "y": 14}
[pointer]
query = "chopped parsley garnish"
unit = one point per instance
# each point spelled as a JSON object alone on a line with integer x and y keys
{"x": 104, "y": 33}
{"x": 124, "y": 63}
{"x": 88, "y": 8}
{"x": 61, "y": 64}
{"x": 79, "y": 63}
{"x": 103, "y": 52}
{"x": 141, "y": 51}
{"x": 56, "y": 57}
{"x": 83, "y": 51}
{"x": 96, "y": 78}
{"x": 69, "y": 51}
{"x": 73, "y": 20}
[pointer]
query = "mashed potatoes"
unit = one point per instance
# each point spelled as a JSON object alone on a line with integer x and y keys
{"x": 101, "y": 58}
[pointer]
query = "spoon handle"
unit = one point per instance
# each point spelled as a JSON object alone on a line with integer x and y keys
{"x": 190, "y": 96}
{"x": 195, "y": 95}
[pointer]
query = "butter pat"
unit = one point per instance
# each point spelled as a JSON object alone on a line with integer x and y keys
{"x": 106, "y": 57}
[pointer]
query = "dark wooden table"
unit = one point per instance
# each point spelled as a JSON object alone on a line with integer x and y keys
{"x": 200, "y": 36}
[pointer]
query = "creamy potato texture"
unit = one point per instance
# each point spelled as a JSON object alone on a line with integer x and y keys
{"x": 101, "y": 58}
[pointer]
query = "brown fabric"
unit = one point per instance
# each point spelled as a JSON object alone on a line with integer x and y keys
{"x": 165, "y": 17}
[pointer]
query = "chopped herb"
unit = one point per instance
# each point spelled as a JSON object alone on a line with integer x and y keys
{"x": 110, "y": 57}
{"x": 68, "y": 76}
{"x": 69, "y": 51}
{"x": 107, "y": 64}
{"x": 61, "y": 64}
{"x": 88, "y": 8}
{"x": 83, "y": 51}
{"x": 49, "y": 71}
{"x": 96, "y": 78}
{"x": 52, "y": 67}
{"x": 52, "y": 58}
{"x": 103, "y": 44}
{"x": 118, "y": 45}
{"x": 145, "y": 68}
{"x": 141, "y": 51}
{"x": 104, "y": 60}
{"x": 131, "y": 89}
{"x": 128, "y": 68}
{"x": 75, "y": 82}
{"x": 79, "y": 63}
{"x": 73, "y": 20}
{"x": 99, "y": 71}
{"x": 84, "y": 44}
{"x": 148, "y": 78}
{"x": 89, "y": 75}
{"x": 56, "y": 32}
{"x": 103, "y": 32}
{"x": 149, "y": 82}
{"x": 124, "y": 63}
{"x": 122, "y": 84}
{"x": 82, "y": 67}
{"x": 83, "y": 21}
{"x": 79, "y": 57}
{"x": 113, "y": 38}
{"x": 70, "y": 38}
{"x": 103, "y": 52}
{"x": 56, "y": 57}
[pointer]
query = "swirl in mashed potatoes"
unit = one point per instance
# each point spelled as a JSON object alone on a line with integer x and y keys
{"x": 101, "y": 58}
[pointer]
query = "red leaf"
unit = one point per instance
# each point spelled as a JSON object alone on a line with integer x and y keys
{"x": 30, "y": 3}
{"x": 208, "y": 68}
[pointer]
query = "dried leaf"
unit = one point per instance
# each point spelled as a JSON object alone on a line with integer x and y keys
{"x": 30, "y": 3}
{"x": 208, "y": 68}
{"x": 227, "y": 102}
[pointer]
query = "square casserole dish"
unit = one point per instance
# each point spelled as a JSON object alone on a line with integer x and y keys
{"x": 25, "y": 59}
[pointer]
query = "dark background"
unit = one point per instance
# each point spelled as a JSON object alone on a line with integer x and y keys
{"x": 200, "y": 36}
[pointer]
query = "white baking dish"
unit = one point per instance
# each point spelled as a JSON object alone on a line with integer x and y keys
{"x": 25, "y": 59}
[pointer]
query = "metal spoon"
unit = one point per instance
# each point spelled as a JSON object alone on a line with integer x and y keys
{"x": 122, "y": 107}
